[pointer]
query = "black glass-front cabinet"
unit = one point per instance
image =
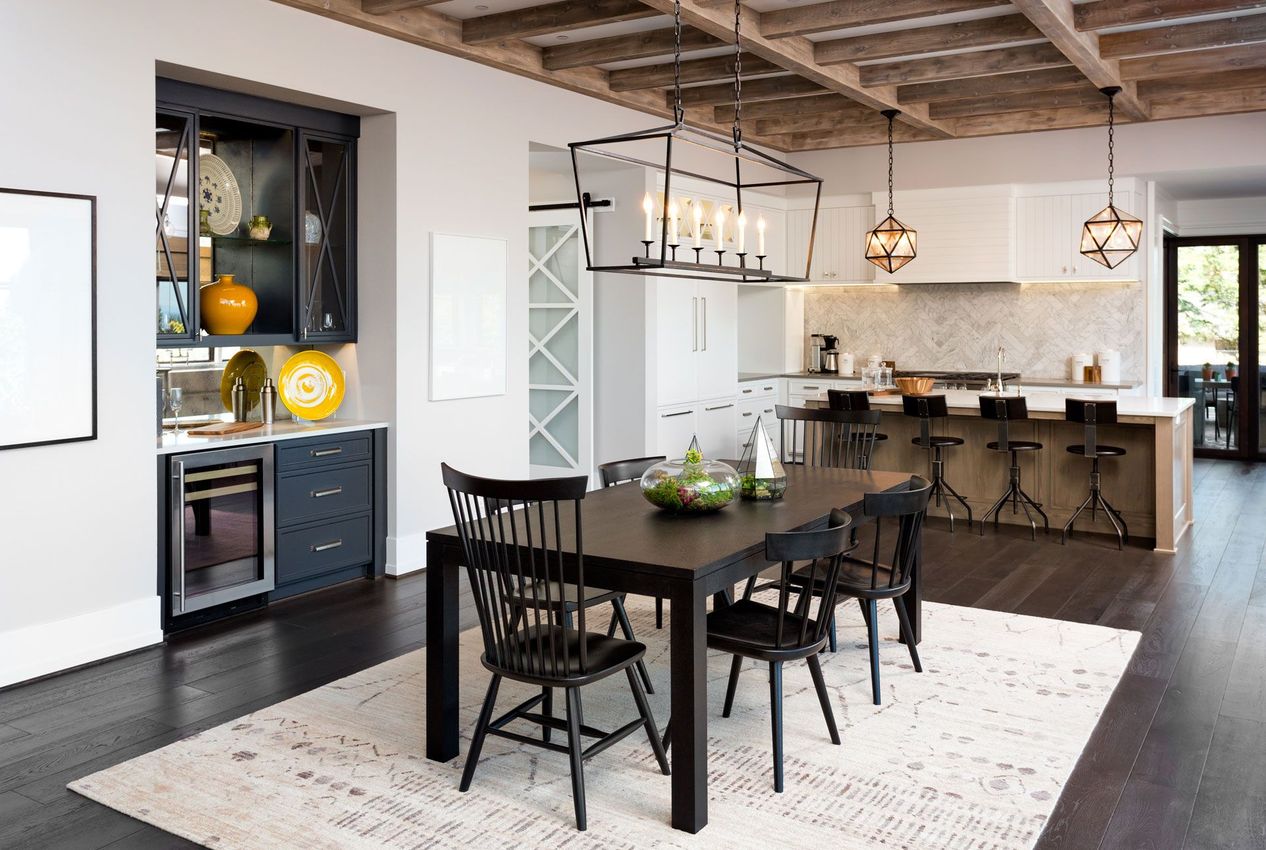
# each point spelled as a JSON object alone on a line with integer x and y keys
{"x": 222, "y": 159}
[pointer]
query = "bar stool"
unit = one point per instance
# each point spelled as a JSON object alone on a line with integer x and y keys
{"x": 1093, "y": 414}
{"x": 925, "y": 408}
{"x": 852, "y": 400}
{"x": 1004, "y": 410}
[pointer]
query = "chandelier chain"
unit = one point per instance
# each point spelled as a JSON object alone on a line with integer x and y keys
{"x": 738, "y": 70}
{"x": 679, "y": 112}
{"x": 1111, "y": 144}
{"x": 890, "y": 117}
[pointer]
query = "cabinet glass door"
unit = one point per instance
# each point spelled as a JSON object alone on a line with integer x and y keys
{"x": 176, "y": 247}
{"x": 327, "y": 254}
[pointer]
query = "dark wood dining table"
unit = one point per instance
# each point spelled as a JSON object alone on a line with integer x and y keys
{"x": 632, "y": 547}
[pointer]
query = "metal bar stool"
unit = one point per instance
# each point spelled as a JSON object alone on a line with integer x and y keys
{"x": 1093, "y": 414}
{"x": 925, "y": 408}
{"x": 1005, "y": 410}
{"x": 852, "y": 400}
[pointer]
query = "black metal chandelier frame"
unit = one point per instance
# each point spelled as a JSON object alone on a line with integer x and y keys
{"x": 1110, "y": 236}
{"x": 666, "y": 263}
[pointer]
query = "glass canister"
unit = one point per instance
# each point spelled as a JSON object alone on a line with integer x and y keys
{"x": 692, "y": 485}
{"x": 761, "y": 474}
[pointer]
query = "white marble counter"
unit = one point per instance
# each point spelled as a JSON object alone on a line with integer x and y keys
{"x": 171, "y": 443}
{"x": 967, "y": 402}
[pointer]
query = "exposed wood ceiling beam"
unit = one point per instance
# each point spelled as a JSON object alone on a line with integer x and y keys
{"x": 1193, "y": 104}
{"x": 1051, "y": 78}
{"x": 840, "y": 14}
{"x": 429, "y": 28}
{"x": 383, "y": 7}
{"x": 1194, "y": 62}
{"x": 821, "y": 121}
{"x": 766, "y": 88}
{"x": 964, "y": 34}
{"x": 692, "y": 71}
{"x": 550, "y": 18}
{"x": 875, "y": 134}
{"x": 817, "y": 104}
{"x": 1030, "y": 57}
{"x": 1115, "y": 13}
{"x": 1219, "y": 33}
{"x": 796, "y": 55}
{"x": 1055, "y": 19}
{"x": 619, "y": 48}
{"x": 1023, "y": 101}
{"x": 1221, "y": 81}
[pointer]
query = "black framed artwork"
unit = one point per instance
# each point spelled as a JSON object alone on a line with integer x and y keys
{"x": 48, "y": 318}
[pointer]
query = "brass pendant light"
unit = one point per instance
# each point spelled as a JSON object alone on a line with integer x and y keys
{"x": 891, "y": 244}
{"x": 1110, "y": 236}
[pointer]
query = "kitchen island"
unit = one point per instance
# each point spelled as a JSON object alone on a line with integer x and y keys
{"x": 1150, "y": 486}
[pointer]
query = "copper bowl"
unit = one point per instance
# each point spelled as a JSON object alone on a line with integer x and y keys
{"x": 915, "y": 386}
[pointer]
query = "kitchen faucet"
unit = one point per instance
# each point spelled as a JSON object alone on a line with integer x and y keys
{"x": 1002, "y": 356}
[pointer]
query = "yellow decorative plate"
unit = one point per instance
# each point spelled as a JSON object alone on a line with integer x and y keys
{"x": 311, "y": 385}
{"x": 252, "y": 369}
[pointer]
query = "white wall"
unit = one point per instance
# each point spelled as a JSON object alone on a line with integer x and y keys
{"x": 1221, "y": 216}
{"x": 77, "y": 522}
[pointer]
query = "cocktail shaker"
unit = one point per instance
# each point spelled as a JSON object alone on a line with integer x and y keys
{"x": 239, "y": 401}
{"x": 268, "y": 401}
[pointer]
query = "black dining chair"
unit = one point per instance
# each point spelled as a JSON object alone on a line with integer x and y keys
{"x": 783, "y": 631}
{"x": 888, "y": 572}
{"x": 621, "y": 472}
{"x": 852, "y": 400}
{"x": 513, "y": 537}
{"x": 819, "y": 436}
{"x": 1092, "y": 414}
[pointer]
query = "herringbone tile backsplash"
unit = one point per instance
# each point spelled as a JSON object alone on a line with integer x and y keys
{"x": 960, "y": 326}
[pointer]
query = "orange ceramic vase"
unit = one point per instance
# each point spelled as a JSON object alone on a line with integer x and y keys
{"x": 228, "y": 307}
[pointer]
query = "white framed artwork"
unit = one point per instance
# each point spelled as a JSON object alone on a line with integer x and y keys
{"x": 468, "y": 316}
{"x": 48, "y": 327}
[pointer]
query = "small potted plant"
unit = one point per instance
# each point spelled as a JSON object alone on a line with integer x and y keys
{"x": 1206, "y": 371}
{"x": 1230, "y": 371}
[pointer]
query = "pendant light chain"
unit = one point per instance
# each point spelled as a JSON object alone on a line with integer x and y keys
{"x": 1111, "y": 142}
{"x": 679, "y": 111}
{"x": 890, "y": 117}
{"x": 738, "y": 79}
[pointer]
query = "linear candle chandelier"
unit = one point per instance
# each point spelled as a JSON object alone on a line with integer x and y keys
{"x": 891, "y": 244}
{"x": 1110, "y": 236}
{"x": 703, "y": 237}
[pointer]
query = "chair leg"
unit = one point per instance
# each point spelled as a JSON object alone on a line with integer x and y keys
{"x": 615, "y": 620}
{"x": 872, "y": 633}
{"x": 622, "y": 615}
{"x": 775, "y": 714}
{"x": 659, "y": 612}
{"x": 652, "y": 734}
{"x": 865, "y": 611}
{"x": 954, "y": 494}
{"x": 577, "y": 756}
{"x": 481, "y": 732}
{"x": 751, "y": 585}
{"x": 819, "y": 684}
{"x": 903, "y": 616}
{"x": 831, "y": 641}
{"x": 1068, "y": 526}
{"x": 736, "y": 667}
{"x": 1118, "y": 524}
{"x": 547, "y": 708}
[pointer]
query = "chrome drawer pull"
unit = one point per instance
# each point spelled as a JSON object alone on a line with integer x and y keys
{"x": 325, "y": 547}
{"x": 671, "y": 415}
{"x": 321, "y": 494}
{"x": 746, "y": 391}
{"x": 721, "y": 407}
{"x": 748, "y": 413}
{"x": 807, "y": 387}
{"x": 337, "y": 450}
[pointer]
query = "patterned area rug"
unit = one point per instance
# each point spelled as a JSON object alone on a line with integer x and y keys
{"x": 972, "y": 753}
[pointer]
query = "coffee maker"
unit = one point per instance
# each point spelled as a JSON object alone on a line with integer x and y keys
{"x": 830, "y": 354}
{"x": 816, "y": 344}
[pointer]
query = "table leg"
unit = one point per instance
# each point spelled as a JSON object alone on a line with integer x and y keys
{"x": 441, "y": 654}
{"x": 689, "y": 645}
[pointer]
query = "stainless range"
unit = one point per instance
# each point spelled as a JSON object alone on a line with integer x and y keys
{"x": 958, "y": 380}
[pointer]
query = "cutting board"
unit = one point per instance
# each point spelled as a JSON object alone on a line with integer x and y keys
{"x": 224, "y": 428}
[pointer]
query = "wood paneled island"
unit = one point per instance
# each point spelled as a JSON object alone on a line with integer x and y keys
{"x": 1150, "y": 485}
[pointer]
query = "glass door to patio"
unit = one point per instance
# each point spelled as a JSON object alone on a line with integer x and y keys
{"x": 1214, "y": 326}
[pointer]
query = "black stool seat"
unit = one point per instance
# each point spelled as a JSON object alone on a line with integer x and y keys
{"x": 1100, "y": 451}
{"x": 1015, "y": 446}
{"x": 937, "y": 442}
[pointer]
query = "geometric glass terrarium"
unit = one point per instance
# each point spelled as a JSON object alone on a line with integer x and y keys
{"x": 691, "y": 485}
{"x": 761, "y": 476}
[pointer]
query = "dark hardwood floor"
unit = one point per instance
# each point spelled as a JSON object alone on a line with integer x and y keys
{"x": 1176, "y": 761}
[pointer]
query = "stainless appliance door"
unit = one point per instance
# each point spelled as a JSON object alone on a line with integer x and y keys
{"x": 222, "y": 545}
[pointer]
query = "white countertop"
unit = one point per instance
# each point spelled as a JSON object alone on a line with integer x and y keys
{"x": 968, "y": 401}
{"x": 171, "y": 443}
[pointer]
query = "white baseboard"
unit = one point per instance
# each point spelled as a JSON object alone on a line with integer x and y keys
{"x": 45, "y": 648}
{"x": 406, "y": 554}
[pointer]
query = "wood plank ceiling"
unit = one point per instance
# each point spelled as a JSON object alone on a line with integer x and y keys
{"x": 817, "y": 74}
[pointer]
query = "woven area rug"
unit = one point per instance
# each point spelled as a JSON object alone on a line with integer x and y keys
{"x": 972, "y": 753}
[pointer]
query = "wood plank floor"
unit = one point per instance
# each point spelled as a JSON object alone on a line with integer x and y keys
{"x": 1176, "y": 760}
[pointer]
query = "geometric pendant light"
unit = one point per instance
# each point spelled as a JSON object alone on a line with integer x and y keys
{"x": 891, "y": 244}
{"x": 1110, "y": 236}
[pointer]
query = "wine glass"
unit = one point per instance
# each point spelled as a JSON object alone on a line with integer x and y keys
{"x": 176, "y": 400}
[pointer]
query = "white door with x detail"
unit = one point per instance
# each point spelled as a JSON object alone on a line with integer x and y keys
{"x": 560, "y": 347}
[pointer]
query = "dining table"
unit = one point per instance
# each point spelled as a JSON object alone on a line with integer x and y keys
{"x": 632, "y": 547}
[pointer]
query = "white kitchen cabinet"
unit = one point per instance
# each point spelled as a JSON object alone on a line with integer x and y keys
{"x": 964, "y": 235}
{"x": 717, "y": 425}
{"x": 677, "y": 347}
{"x": 839, "y": 246}
{"x": 675, "y": 427}
{"x": 1048, "y": 236}
{"x": 716, "y": 369}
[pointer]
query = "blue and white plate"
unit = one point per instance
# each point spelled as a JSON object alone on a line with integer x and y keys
{"x": 219, "y": 195}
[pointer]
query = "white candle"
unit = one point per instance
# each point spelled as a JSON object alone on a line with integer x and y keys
{"x": 650, "y": 218}
{"x": 674, "y": 213}
{"x": 719, "y": 226}
{"x": 698, "y": 225}
{"x": 742, "y": 230}
{"x": 760, "y": 236}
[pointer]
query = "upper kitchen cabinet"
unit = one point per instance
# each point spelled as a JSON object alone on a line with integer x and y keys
{"x": 964, "y": 234}
{"x": 839, "y": 244}
{"x": 1048, "y": 233}
{"x": 256, "y": 196}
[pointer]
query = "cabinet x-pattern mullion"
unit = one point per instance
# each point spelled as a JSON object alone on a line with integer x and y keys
{"x": 190, "y": 239}
{"x": 326, "y": 252}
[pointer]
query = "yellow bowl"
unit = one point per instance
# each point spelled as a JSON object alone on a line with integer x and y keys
{"x": 311, "y": 385}
{"x": 915, "y": 386}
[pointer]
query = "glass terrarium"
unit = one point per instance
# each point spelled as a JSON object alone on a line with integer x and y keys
{"x": 691, "y": 485}
{"x": 761, "y": 476}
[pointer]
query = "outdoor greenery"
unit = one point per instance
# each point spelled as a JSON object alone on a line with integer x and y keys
{"x": 1209, "y": 298}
